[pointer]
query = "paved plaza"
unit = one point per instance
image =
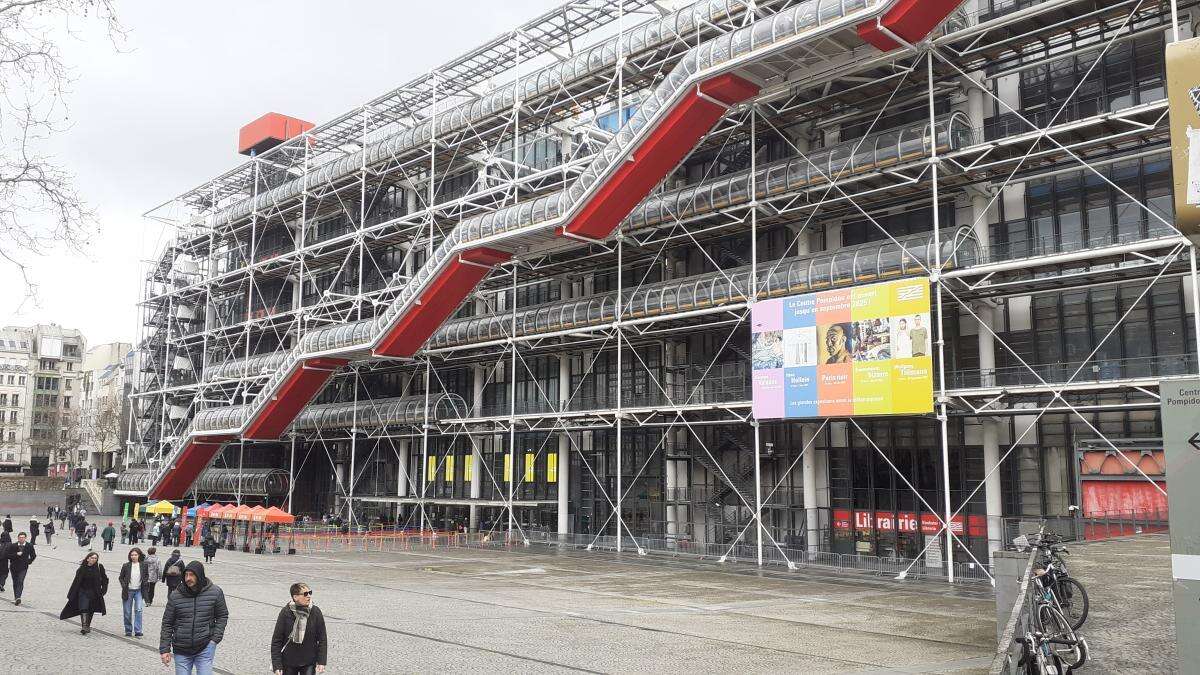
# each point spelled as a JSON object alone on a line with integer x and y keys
{"x": 1131, "y": 625}
{"x": 528, "y": 610}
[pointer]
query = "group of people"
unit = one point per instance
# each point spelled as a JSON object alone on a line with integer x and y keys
{"x": 196, "y": 615}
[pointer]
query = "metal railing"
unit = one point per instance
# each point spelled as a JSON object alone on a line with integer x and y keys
{"x": 1034, "y": 247}
{"x": 1095, "y": 526}
{"x": 1095, "y": 370}
{"x": 381, "y": 539}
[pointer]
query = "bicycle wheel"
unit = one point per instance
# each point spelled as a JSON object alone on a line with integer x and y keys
{"x": 1055, "y": 625}
{"x": 1073, "y": 600}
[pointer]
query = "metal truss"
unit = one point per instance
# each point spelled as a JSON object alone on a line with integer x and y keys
{"x": 389, "y": 213}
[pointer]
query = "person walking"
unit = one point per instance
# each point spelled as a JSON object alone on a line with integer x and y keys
{"x": 35, "y": 528}
{"x": 108, "y": 535}
{"x": 299, "y": 645}
{"x": 172, "y": 572}
{"x": 133, "y": 579}
{"x": 153, "y": 574}
{"x": 20, "y": 556}
{"x": 124, "y": 533}
{"x": 7, "y": 524}
{"x": 5, "y": 542}
{"x": 152, "y": 533}
{"x": 210, "y": 549}
{"x": 86, "y": 596}
{"x": 80, "y": 531}
{"x": 48, "y": 530}
{"x": 175, "y": 533}
{"x": 193, "y": 623}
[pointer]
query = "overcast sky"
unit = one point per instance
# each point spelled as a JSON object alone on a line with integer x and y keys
{"x": 162, "y": 116}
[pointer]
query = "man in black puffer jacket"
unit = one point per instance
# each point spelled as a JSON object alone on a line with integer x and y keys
{"x": 193, "y": 623}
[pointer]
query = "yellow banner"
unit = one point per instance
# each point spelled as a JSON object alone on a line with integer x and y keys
{"x": 1183, "y": 95}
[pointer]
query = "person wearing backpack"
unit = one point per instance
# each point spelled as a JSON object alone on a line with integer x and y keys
{"x": 173, "y": 572}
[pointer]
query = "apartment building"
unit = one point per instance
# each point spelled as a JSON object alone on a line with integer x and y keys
{"x": 104, "y": 411}
{"x": 41, "y": 430}
{"x": 519, "y": 294}
{"x": 15, "y": 353}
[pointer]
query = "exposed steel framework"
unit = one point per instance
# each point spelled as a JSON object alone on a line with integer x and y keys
{"x": 399, "y": 212}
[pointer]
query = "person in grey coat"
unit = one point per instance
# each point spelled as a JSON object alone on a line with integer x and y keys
{"x": 193, "y": 623}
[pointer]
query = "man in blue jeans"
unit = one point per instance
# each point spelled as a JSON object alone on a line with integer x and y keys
{"x": 193, "y": 623}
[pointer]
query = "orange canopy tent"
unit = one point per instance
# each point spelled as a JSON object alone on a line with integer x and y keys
{"x": 278, "y": 515}
{"x": 242, "y": 512}
{"x": 258, "y": 514}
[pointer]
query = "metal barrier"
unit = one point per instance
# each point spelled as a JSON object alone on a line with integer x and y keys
{"x": 1009, "y": 648}
{"x": 376, "y": 539}
{"x": 1095, "y": 526}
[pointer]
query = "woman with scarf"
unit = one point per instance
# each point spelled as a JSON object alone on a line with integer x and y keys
{"x": 86, "y": 596}
{"x": 299, "y": 644}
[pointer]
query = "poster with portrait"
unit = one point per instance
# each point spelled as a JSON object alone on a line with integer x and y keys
{"x": 854, "y": 351}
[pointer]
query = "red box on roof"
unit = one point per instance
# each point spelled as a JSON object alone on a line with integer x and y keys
{"x": 269, "y": 131}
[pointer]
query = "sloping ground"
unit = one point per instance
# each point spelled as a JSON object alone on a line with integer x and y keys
{"x": 1131, "y": 624}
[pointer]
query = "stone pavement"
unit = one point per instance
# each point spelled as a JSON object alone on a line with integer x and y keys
{"x": 528, "y": 610}
{"x": 1131, "y": 624}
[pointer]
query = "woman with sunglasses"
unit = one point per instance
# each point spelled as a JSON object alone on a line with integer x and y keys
{"x": 299, "y": 644}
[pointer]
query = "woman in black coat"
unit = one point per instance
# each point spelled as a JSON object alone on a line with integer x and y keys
{"x": 86, "y": 596}
{"x": 210, "y": 549}
{"x": 5, "y": 540}
{"x": 299, "y": 644}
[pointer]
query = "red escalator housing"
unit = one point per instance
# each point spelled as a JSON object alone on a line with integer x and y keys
{"x": 912, "y": 20}
{"x": 194, "y": 458}
{"x": 663, "y": 148}
{"x": 445, "y": 293}
{"x": 301, "y": 385}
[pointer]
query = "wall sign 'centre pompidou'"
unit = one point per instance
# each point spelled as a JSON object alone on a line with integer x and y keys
{"x": 855, "y": 351}
{"x": 1183, "y": 94}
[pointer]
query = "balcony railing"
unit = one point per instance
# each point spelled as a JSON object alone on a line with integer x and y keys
{"x": 1095, "y": 370}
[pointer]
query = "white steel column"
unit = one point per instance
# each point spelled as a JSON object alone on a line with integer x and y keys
{"x": 564, "y": 447}
{"x": 402, "y": 449}
{"x": 477, "y": 379}
{"x": 353, "y": 452}
{"x": 291, "y": 474}
{"x": 512, "y": 402}
{"x": 620, "y": 310}
{"x": 753, "y": 297}
{"x": 935, "y": 279}
{"x": 987, "y": 363}
{"x": 812, "y": 519}
{"x": 425, "y": 448}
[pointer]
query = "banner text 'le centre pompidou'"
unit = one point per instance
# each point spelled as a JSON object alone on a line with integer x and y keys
{"x": 841, "y": 353}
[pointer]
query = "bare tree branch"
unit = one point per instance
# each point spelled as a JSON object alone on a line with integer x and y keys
{"x": 40, "y": 208}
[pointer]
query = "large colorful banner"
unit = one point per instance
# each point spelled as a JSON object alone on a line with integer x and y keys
{"x": 855, "y": 351}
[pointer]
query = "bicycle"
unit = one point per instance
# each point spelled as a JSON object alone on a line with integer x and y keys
{"x": 1038, "y": 658}
{"x": 1070, "y": 597}
{"x": 1069, "y": 594}
{"x": 1051, "y": 641}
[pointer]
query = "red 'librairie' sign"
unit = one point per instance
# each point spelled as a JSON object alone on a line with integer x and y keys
{"x": 906, "y": 522}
